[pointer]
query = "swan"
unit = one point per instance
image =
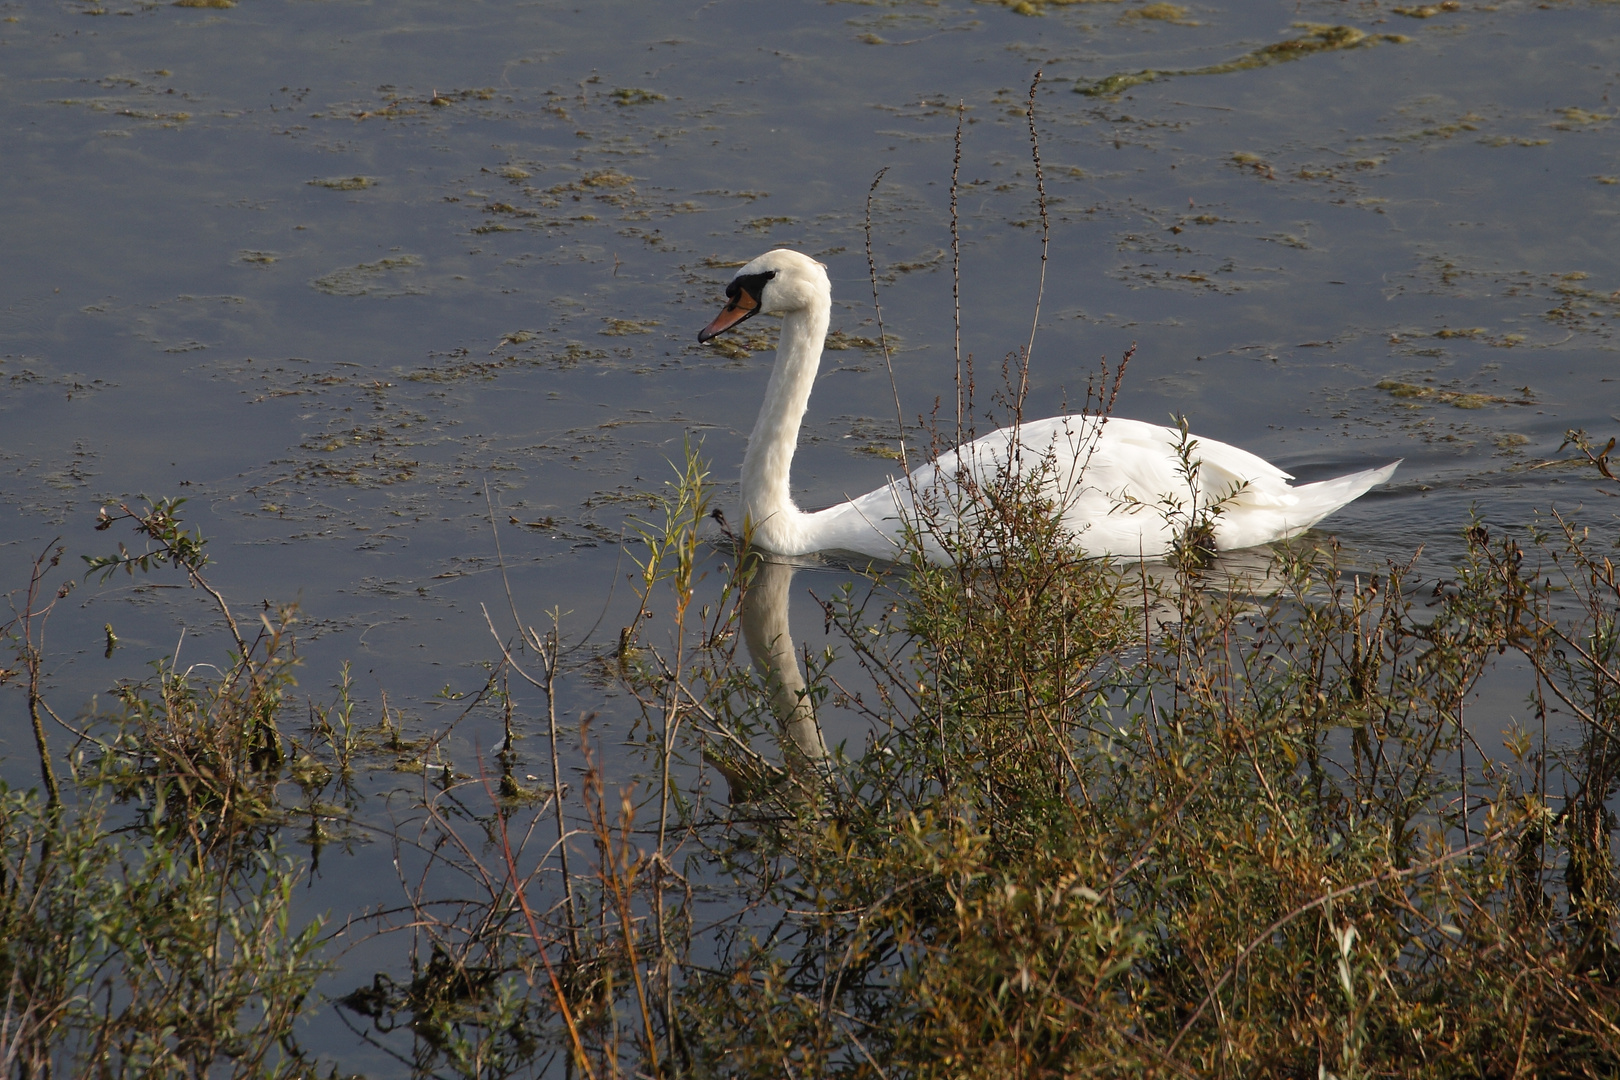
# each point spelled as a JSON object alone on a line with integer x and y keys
{"x": 1118, "y": 483}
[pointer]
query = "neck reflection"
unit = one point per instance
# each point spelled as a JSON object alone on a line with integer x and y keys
{"x": 770, "y": 644}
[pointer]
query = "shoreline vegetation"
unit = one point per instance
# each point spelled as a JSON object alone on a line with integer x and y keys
{"x": 1108, "y": 818}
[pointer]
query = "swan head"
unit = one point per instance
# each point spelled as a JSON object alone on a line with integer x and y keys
{"x": 779, "y": 282}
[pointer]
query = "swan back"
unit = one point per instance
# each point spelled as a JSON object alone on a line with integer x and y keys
{"x": 1121, "y": 487}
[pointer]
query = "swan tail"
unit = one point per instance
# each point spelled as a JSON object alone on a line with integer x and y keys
{"x": 1246, "y": 526}
{"x": 1325, "y": 496}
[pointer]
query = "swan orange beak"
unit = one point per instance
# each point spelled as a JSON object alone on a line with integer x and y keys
{"x": 738, "y": 308}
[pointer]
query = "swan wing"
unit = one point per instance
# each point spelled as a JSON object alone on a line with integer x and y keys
{"x": 1121, "y": 484}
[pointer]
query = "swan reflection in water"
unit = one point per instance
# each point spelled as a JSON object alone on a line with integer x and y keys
{"x": 770, "y": 644}
{"x": 1248, "y": 575}
{"x": 1252, "y": 573}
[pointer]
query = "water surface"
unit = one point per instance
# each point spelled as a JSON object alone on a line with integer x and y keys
{"x": 355, "y": 278}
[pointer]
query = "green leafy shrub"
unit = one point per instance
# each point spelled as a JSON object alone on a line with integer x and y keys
{"x": 146, "y": 908}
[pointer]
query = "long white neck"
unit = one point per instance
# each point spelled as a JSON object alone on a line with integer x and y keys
{"x": 766, "y": 495}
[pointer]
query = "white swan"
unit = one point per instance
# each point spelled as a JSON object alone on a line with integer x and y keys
{"x": 1114, "y": 479}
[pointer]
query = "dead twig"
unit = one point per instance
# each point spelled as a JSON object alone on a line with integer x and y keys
{"x": 883, "y": 337}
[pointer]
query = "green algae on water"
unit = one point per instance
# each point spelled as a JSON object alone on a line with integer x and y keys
{"x": 1509, "y": 442}
{"x": 838, "y": 341}
{"x": 1428, "y": 11}
{"x": 1512, "y": 140}
{"x": 343, "y": 183}
{"x": 627, "y": 327}
{"x": 1318, "y": 38}
{"x": 575, "y": 353}
{"x": 382, "y": 278}
{"x": 1038, "y": 7}
{"x": 1459, "y": 399}
{"x": 740, "y": 345}
{"x": 629, "y": 95}
{"x": 1161, "y": 12}
{"x": 1575, "y": 118}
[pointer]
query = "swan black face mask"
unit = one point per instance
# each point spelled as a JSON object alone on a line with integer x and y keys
{"x": 742, "y": 302}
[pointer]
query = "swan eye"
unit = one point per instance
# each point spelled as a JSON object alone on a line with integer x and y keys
{"x": 752, "y": 284}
